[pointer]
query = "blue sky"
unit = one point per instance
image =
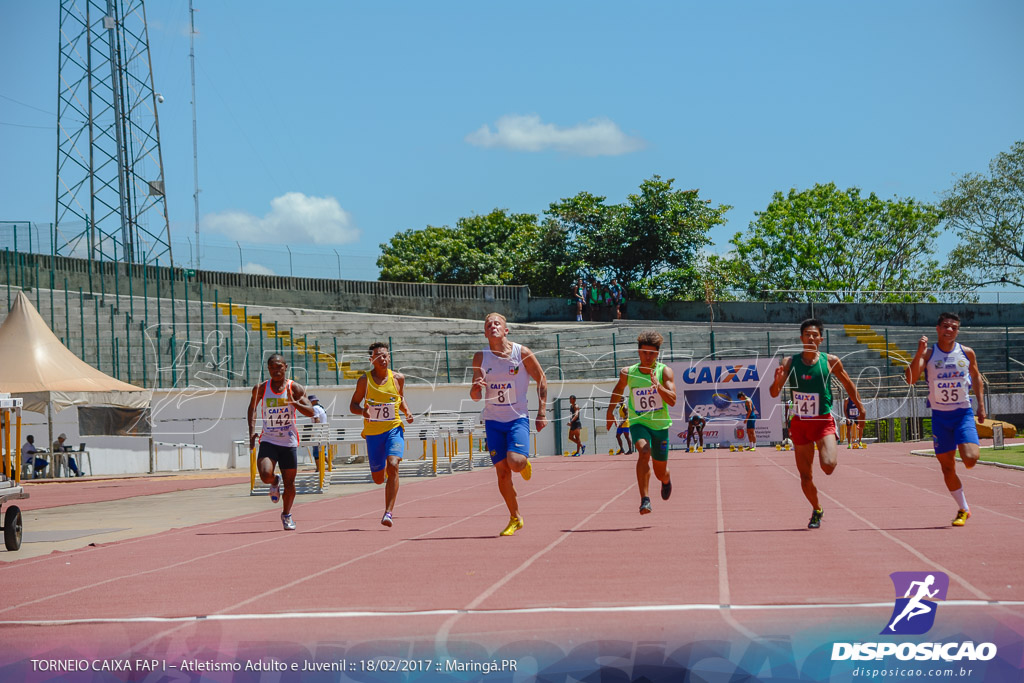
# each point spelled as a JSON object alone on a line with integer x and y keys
{"x": 329, "y": 126}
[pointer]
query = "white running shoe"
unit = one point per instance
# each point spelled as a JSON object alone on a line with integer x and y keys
{"x": 275, "y": 489}
{"x": 288, "y": 522}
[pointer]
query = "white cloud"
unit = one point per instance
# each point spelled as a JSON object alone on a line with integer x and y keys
{"x": 257, "y": 269}
{"x": 293, "y": 218}
{"x": 597, "y": 137}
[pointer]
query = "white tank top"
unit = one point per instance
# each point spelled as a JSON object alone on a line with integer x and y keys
{"x": 507, "y": 382}
{"x": 949, "y": 379}
{"x": 278, "y": 417}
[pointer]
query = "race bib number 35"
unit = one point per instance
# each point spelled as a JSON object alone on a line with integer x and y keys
{"x": 501, "y": 393}
{"x": 805, "y": 404}
{"x": 646, "y": 399}
{"x": 381, "y": 412}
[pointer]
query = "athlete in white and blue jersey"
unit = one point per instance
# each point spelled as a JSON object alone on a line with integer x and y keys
{"x": 951, "y": 370}
{"x": 501, "y": 376}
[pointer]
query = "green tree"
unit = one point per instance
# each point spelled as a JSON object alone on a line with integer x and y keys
{"x": 498, "y": 248}
{"x": 653, "y": 242}
{"x": 987, "y": 213}
{"x": 837, "y": 241}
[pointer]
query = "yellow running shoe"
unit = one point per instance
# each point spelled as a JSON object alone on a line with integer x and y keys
{"x": 961, "y": 517}
{"x": 527, "y": 472}
{"x": 514, "y": 525}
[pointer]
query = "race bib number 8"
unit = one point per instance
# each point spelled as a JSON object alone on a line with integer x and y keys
{"x": 501, "y": 393}
{"x": 381, "y": 412}
{"x": 646, "y": 399}
{"x": 806, "y": 404}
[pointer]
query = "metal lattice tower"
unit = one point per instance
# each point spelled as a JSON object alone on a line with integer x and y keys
{"x": 110, "y": 174}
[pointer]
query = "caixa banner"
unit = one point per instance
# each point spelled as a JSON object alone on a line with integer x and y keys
{"x": 731, "y": 396}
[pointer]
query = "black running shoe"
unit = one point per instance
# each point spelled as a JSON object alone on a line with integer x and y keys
{"x": 666, "y": 490}
{"x": 815, "y": 519}
{"x": 645, "y": 506}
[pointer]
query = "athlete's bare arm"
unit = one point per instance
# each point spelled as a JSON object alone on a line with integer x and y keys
{"x": 533, "y": 367}
{"x": 835, "y": 366}
{"x": 298, "y": 399}
{"x": 250, "y": 415}
{"x": 355, "y": 406}
{"x": 616, "y": 397}
{"x": 920, "y": 359}
{"x": 976, "y": 382}
{"x": 667, "y": 387}
{"x": 476, "y": 391}
{"x": 781, "y": 373}
{"x": 400, "y": 383}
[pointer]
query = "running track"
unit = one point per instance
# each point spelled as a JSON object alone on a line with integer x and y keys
{"x": 728, "y": 557}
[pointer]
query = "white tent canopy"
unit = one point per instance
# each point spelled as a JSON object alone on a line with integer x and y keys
{"x": 38, "y": 368}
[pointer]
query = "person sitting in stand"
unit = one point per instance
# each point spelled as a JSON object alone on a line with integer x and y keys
{"x": 60, "y": 447}
{"x": 29, "y": 457}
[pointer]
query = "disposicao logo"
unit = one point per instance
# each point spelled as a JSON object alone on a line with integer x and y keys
{"x": 913, "y": 613}
{"x": 916, "y": 595}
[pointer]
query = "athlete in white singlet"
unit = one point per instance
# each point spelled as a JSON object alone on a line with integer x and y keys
{"x": 276, "y": 402}
{"x": 952, "y": 373}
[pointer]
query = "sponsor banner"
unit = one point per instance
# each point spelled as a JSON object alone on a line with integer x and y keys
{"x": 711, "y": 388}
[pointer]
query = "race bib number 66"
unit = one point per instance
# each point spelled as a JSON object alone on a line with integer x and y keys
{"x": 646, "y": 399}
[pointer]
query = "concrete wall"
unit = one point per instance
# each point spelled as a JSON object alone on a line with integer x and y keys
{"x": 921, "y": 314}
{"x": 456, "y": 301}
{"x": 362, "y": 296}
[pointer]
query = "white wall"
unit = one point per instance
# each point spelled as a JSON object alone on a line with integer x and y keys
{"x": 215, "y": 417}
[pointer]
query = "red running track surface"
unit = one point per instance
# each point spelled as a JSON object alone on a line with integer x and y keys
{"x": 728, "y": 556}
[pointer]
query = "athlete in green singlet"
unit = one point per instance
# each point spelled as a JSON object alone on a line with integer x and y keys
{"x": 651, "y": 388}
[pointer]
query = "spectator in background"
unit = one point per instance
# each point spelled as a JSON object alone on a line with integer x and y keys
{"x": 579, "y": 294}
{"x": 60, "y": 447}
{"x": 28, "y": 456}
{"x": 319, "y": 417}
{"x": 618, "y": 295}
{"x": 593, "y": 298}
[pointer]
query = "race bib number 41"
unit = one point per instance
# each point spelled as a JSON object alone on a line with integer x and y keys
{"x": 501, "y": 393}
{"x": 806, "y": 404}
{"x": 646, "y": 399}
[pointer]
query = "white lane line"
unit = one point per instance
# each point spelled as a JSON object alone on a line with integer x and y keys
{"x": 724, "y": 596}
{"x": 619, "y": 609}
{"x": 271, "y": 591}
{"x": 442, "y": 633}
{"x": 271, "y": 538}
{"x": 906, "y": 546}
{"x": 936, "y": 491}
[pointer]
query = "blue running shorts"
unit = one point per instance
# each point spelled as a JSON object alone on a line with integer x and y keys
{"x": 503, "y": 437}
{"x": 380, "y": 446}
{"x": 950, "y": 428}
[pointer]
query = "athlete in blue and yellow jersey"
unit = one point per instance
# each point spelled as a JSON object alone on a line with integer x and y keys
{"x": 384, "y": 395}
{"x": 277, "y": 401}
{"x": 501, "y": 377}
{"x": 952, "y": 372}
{"x": 652, "y": 389}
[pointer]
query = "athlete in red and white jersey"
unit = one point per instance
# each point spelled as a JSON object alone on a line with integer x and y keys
{"x": 276, "y": 401}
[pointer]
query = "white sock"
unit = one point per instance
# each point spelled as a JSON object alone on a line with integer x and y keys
{"x": 960, "y": 498}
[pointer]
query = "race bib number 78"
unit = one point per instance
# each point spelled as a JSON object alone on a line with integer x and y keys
{"x": 381, "y": 412}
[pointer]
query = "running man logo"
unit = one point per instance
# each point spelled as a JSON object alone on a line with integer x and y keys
{"x": 916, "y": 593}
